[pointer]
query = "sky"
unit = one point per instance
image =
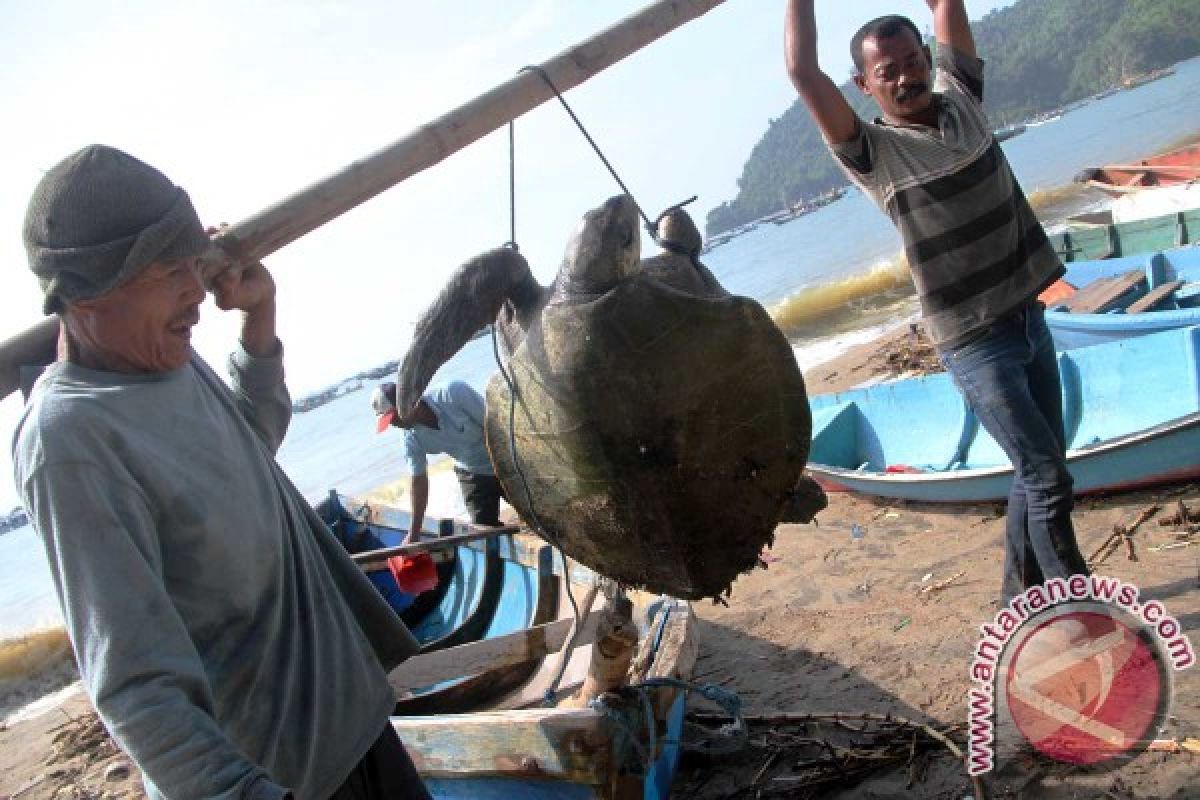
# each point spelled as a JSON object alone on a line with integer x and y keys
{"x": 244, "y": 103}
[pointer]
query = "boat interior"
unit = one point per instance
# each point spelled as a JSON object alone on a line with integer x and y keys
{"x": 923, "y": 424}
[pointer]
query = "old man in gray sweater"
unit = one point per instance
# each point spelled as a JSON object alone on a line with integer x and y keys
{"x": 229, "y": 644}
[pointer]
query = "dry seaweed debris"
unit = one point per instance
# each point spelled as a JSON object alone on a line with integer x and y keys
{"x": 910, "y": 353}
{"x": 811, "y": 755}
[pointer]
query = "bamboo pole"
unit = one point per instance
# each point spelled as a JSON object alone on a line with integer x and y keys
{"x": 258, "y": 236}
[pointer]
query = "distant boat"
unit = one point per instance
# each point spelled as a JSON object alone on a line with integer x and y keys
{"x": 1175, "y": 168}
{"x": 477, "y": 708}
{"x": 1131, "y": 409}
{"x": 1104, "y": 239}
{"x": 1123, "y": 297}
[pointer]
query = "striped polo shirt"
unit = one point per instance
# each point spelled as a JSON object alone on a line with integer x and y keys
{"x": 975, "y": 248}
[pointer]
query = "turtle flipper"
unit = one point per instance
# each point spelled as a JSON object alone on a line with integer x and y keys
{"x": 492, "y": 282}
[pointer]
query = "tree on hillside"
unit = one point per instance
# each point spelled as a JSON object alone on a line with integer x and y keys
{"x": 1040, "y": 54}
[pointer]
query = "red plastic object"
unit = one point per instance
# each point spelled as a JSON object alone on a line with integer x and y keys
{"x": 414, "y": 574}
{"x": 902, "y": 469}
{"x": 1059, "y": 290}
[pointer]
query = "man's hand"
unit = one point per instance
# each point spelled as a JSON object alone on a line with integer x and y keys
{"x": 247, "y": 287}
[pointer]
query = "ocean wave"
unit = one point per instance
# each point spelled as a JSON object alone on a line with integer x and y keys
{"x": 34, "y": 665}
{"x": 813, "y": 309}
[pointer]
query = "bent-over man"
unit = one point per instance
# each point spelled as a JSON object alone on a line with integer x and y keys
{"x": 227, "y": 641}
{"x": 446, "y": 420}
{"x": 978, "y": 255}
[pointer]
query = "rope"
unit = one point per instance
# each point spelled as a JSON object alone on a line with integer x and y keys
{"x": 512, "y": 188}
{"x": 535, "y": 522}
{"x": 729, "y": 738}
{"x": 545, "y": 77}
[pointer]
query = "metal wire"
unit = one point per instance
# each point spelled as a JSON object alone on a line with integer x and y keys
{"x": 535, "y": 68}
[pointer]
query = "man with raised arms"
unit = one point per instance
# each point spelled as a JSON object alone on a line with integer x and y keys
{"x": 978, "y": 255}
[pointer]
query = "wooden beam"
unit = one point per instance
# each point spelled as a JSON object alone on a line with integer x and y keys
{"x": 520, "y": 647}
{"x": 1154, "y": 298}
{"x": 377, "y": 559}
{"x": 258, "y": 236}
{"x": 573, "y": 745}
{"x": 1099, "y": 295}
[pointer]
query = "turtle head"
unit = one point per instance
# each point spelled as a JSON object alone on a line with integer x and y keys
{"x": 604, "y": 248}
{"x": 678, "y": 233}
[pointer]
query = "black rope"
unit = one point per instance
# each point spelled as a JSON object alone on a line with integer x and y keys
{"x": 649, "y": 225}
{"x": 510, "y": 380}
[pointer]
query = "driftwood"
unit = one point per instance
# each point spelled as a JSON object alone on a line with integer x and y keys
{"x": 811, "y": 764}
{"x": 1182, "y": 516}
{"x": 908, "y": 354}
{"x": 1122, "y": 535}
{"x": 264, "y": 233}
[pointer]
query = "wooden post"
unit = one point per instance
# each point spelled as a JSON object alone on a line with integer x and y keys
{"x": 612, "y": 653}
{"x": 260, "y": 235}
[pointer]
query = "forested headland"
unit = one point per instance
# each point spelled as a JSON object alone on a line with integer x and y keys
{"x": 1040, "y": 54}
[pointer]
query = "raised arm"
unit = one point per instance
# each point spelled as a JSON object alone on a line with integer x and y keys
{"x": 951, "y": 26}
{"x": 833, "y": 114}
{"x": 258, "y": 374}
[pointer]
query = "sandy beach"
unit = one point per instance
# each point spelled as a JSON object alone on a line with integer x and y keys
{"x": 833, "y": 624}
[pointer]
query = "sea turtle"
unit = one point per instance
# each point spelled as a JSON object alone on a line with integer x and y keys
{"x": 658, "y": 426}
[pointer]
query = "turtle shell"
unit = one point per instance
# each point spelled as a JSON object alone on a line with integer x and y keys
{"x": 658, "y": 434}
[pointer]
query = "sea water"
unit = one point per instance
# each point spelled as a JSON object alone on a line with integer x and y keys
{"x": 830, "y": 278}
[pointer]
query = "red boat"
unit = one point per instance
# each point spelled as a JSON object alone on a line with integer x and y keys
{"x": 1176, "y": 168}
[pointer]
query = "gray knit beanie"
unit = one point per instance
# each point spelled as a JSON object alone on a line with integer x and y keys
{"x": 98, "y": 218}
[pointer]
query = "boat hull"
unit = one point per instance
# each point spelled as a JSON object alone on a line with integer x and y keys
{"x": 1131, "y": 412}
{"x": 513, "y": 746}
{"x": 1128, "y": 238}
{"x": 1151, "y": 458}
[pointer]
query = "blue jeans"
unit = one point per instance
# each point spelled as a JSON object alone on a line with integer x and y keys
{"x": 1009, "y": 377}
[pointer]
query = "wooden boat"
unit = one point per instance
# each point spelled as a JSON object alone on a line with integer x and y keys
{"x": 474, "y": 715}
{"x": 1131, "y": 410}
{"x": 1123, "y": 297}
{"x": 1108, "y": 240}
{"x": 1175, "y": 168}
{"x": 471, "y": 581}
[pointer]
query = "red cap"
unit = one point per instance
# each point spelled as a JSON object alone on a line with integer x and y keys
{"x": 385, "y": 420}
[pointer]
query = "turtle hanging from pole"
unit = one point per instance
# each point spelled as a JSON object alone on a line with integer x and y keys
{"x": 658, "y": 426}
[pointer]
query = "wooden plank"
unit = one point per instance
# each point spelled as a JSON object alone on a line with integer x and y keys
{"x": 520, "y": 647}
{"x": 1154, "y": 298}
{"x": 1100, "y": 294}
{"x": 564, "y": 653}
{"x": 377, "y": 559}
{"x": 556, "y": 744}
{"x": 676, "y": 656}
{"x": 264, "y": 233}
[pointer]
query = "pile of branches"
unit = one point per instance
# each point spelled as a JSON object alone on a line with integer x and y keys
{"x": 808, "y": 756}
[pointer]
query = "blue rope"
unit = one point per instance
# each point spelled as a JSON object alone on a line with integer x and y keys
{"x": 729, "y": 738}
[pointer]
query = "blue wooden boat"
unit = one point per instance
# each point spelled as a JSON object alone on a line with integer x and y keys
{"x": 1131, "y": 410}
{"x": 474, "y": 714}
{"x": 1169, "y": 285}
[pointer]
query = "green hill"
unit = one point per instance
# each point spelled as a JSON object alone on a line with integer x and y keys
{"x": 1040, "y": 54}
